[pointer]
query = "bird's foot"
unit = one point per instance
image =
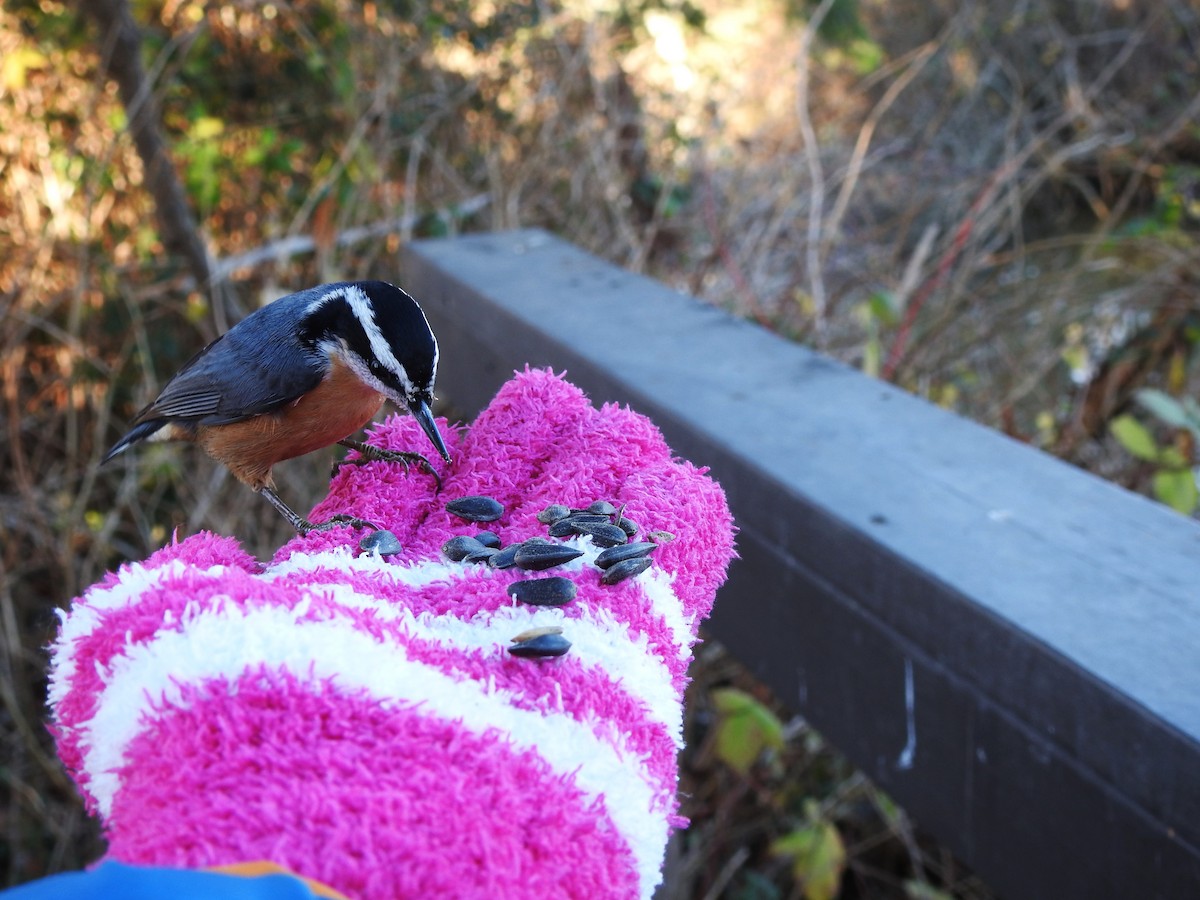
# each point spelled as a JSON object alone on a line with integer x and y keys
{"x": 370, "y": 453}
{"x": 303, "y": 526}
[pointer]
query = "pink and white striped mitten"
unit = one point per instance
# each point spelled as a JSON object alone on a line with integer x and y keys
{"x": 362, "y": 719}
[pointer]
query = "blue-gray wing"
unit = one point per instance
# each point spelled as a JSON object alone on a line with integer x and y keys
{"x": 256, "y": 367}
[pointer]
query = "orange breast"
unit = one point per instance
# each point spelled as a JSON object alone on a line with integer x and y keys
{"x": 336, "y": 408}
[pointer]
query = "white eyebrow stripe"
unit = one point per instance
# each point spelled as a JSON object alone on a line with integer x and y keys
{"x": 360, "y": 304}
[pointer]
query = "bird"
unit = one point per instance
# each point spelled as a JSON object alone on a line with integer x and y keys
{"x": 301, "y": 373}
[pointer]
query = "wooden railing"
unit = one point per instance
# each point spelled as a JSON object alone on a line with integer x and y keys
{"x": 1007, "y": 645}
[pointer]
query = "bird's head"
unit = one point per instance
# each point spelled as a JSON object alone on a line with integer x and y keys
{"x": 382, "y": 335}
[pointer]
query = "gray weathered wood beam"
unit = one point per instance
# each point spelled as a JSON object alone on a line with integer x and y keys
{"x": 1008, "y": 645}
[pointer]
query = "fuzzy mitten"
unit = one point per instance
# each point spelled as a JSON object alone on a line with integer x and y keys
{"x": 363, "y": 720}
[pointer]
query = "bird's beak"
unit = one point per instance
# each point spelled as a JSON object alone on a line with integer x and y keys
{"x": 423, "y": 415}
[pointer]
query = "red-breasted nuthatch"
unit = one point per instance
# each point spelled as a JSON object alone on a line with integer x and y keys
{"x": 299, "y": 374}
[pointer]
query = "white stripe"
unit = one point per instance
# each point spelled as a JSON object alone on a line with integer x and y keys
{"x": 596, "y": 635}
{"x": 419, "y": 574}
{"x": 227, "y": 642}
{"x": 365, "y": 313}
{"x": 655, "y": 583}
{"x": 361, "y": 306}
{"x": 606, "y": 638}
{"x": 84, "y": 616}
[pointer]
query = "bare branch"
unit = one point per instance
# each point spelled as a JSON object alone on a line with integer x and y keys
{"x": 812, "y": 154}
{"x": 123, "y": 62}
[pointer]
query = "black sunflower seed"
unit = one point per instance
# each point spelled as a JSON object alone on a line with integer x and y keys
{"x": 623, "y": 552}
{"x": 476, "y": 509}
{"x": 543, "y": 645}
{"x": 483, "y": 554}
{"x": 458, "y": 547}
{"x": 553, "y": 591}
{"x": 603, "y": 534}
{"x": 544, "y": 556}
{"x": 627, "y": 568}
{"x": 603, "y": 507}
{"x": 488, "y": 539}
{"x": 530, "y": 633}
{"x": 382, "y": 542}
{"x": 568, "y": 525}
{"x": 553, "y": 513}
{"x": 504, "y": 558}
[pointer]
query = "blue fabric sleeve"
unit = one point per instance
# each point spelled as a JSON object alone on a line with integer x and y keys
{"x": 111, "y": 880}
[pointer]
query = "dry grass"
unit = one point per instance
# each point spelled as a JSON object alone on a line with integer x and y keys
{"x": 947, "y": 199}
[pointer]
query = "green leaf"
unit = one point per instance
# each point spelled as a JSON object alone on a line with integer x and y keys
{"x": 1177, "y": 489}
{"x": 1166, "y": 408}
{"x": 1172, "y": 458}
{"x": 865, "y": 56}
{"x": 746, "y": 728}
{"x": 206, "y": 127}
{"x": 16, "y": 64}
{"x": 882, "y": 306}
{"x": 818, "y": 858}
{"x": 1135, "y": 437}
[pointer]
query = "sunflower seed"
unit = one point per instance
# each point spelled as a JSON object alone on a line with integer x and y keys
{"x": 603, "y": 507}
{"x": 489, "y": 539}
{"x": 627, "y": 568}
{"x": 530, "y": 633}
{"x": 476, "y": 509}
{"x": 603, "y": 534}
{"x": 623, "y": 552}
{"x": 553, "y": 591}
{"x": 582, "y": 515}
{"x": 553, "y": 513}
{"x": 502, "y": 559}
{"x": 573, "y": 523}
{"x": 544, "y": 556}
{"x": 458, "y": 547}
{"x": 543, "y": 645}
{"x": 628, "y": 526}
{"x": 483, "y": 554}
{"x": 661, "y": 537}
{"x": 381, "y": 542}
{"x": 507, "y": 556}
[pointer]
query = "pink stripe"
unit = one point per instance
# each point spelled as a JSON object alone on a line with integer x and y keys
{"x": 146, "y": 616}
{"x": 203, "y": 550}
{"x": 376, "y": 802}
{"x": 587, "y": 694}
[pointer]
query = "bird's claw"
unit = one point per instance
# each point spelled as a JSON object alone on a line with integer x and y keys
{"x": 305, "y": 527}
{"x": 368, "y": 453}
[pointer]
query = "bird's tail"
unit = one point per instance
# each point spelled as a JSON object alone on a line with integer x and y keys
{"x": 137, "y": 433}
